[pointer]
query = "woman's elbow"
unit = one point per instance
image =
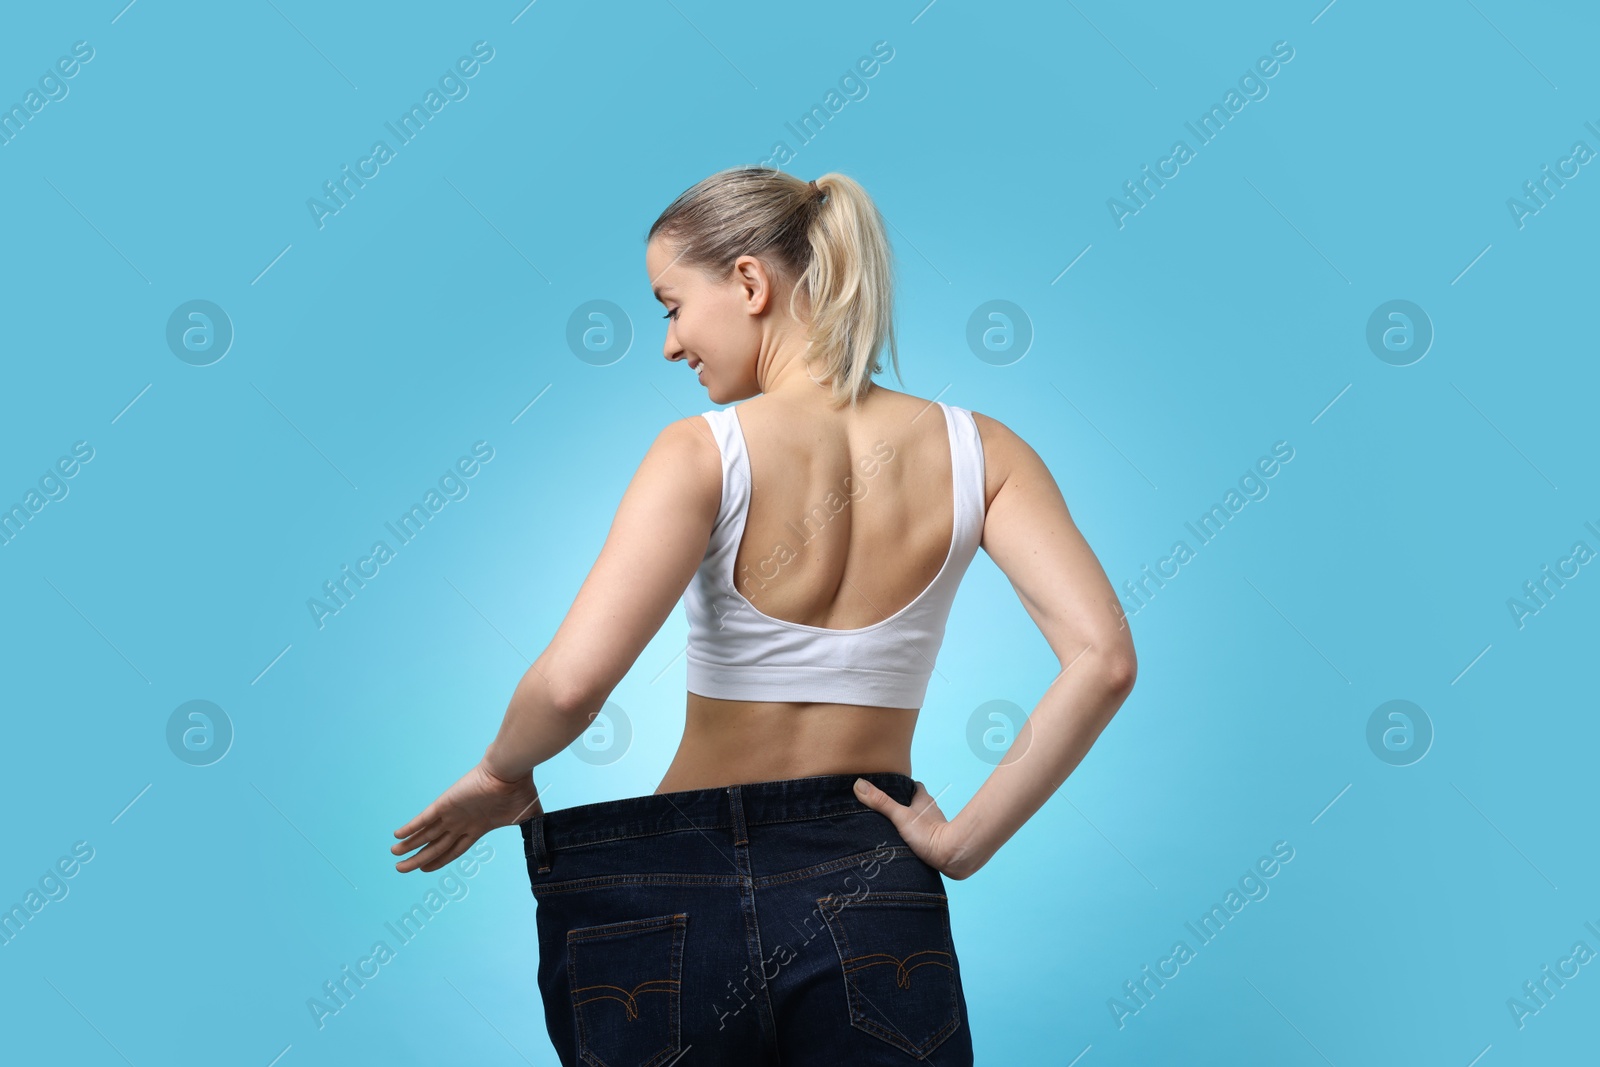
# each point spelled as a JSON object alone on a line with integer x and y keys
{"x": 1121, "y": 667}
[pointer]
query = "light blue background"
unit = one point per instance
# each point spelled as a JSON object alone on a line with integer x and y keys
{"x": 1229, "y": 313}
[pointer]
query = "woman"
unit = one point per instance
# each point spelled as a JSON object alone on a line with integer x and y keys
{"x": 780, "y": 897}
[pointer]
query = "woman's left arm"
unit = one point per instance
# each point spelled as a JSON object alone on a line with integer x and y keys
{"x": 656, "y": 542}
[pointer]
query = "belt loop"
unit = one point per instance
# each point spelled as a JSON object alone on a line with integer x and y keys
{"x": 534, "y": 848}
{"x": 736, "y": 804}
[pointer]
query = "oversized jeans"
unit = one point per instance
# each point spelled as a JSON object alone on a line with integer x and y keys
{"x": 781, "y": 922}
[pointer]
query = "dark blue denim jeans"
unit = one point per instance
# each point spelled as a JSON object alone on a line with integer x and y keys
{"x": 769, "y": 923}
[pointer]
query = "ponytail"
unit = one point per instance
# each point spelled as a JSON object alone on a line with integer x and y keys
{"x": 849, "y": 282}
{"x": 826, "y": 237}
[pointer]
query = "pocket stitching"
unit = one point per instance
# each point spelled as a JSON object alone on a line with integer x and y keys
{"x": 677, "y": 923}
{"x": 841, "y": 940}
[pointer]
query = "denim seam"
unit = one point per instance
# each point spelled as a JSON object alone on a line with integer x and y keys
{"x": 606, "y": 881}
{"x": 901, "y": 896}
{"x": 627, "y": 926}
{"x": 752, "y": 921}
{"x": 862, "y": 810}
{"x": 630, "y": 836}
{"x": 766, "y": 880}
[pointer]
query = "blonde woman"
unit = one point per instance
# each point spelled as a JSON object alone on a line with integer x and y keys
{"x": 780, "y": 898}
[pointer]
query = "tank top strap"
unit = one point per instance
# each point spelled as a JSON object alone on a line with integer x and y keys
{"x": 735, "y": 474}
{"x": 969, "y": 475}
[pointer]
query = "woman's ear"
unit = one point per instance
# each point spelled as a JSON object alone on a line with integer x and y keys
{"x": 755, "y": 283}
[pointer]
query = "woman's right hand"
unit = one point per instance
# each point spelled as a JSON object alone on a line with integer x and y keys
{"x": 478, "y": 802}
{"x": 922, "y": 825}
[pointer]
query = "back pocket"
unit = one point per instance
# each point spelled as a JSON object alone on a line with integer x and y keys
{"x": 899, "y": 966}
{"x": 625, "y": 997}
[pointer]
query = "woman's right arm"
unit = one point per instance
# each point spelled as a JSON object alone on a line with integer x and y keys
{"x": 1033, "y": 540}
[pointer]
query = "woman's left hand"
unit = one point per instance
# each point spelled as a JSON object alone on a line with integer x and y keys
{"x": 477, "y": 803}
{"x": 921, "y": 825}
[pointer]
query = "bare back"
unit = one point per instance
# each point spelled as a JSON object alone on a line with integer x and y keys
{"x": 802, "y": 562}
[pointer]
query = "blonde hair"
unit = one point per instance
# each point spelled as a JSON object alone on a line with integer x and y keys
{"x": 826, "y": 237}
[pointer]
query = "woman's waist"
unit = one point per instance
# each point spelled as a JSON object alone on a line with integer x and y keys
{"x": 727, "y": 742}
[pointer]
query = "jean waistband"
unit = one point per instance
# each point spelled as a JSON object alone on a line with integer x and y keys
{"x": 733, "y": 807}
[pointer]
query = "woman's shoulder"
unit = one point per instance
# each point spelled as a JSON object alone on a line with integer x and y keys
{"x": 686, "y": 451}
{"x": 1005, "y": 453}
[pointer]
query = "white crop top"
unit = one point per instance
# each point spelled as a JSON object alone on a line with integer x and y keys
{"x": 738, "y": 653}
